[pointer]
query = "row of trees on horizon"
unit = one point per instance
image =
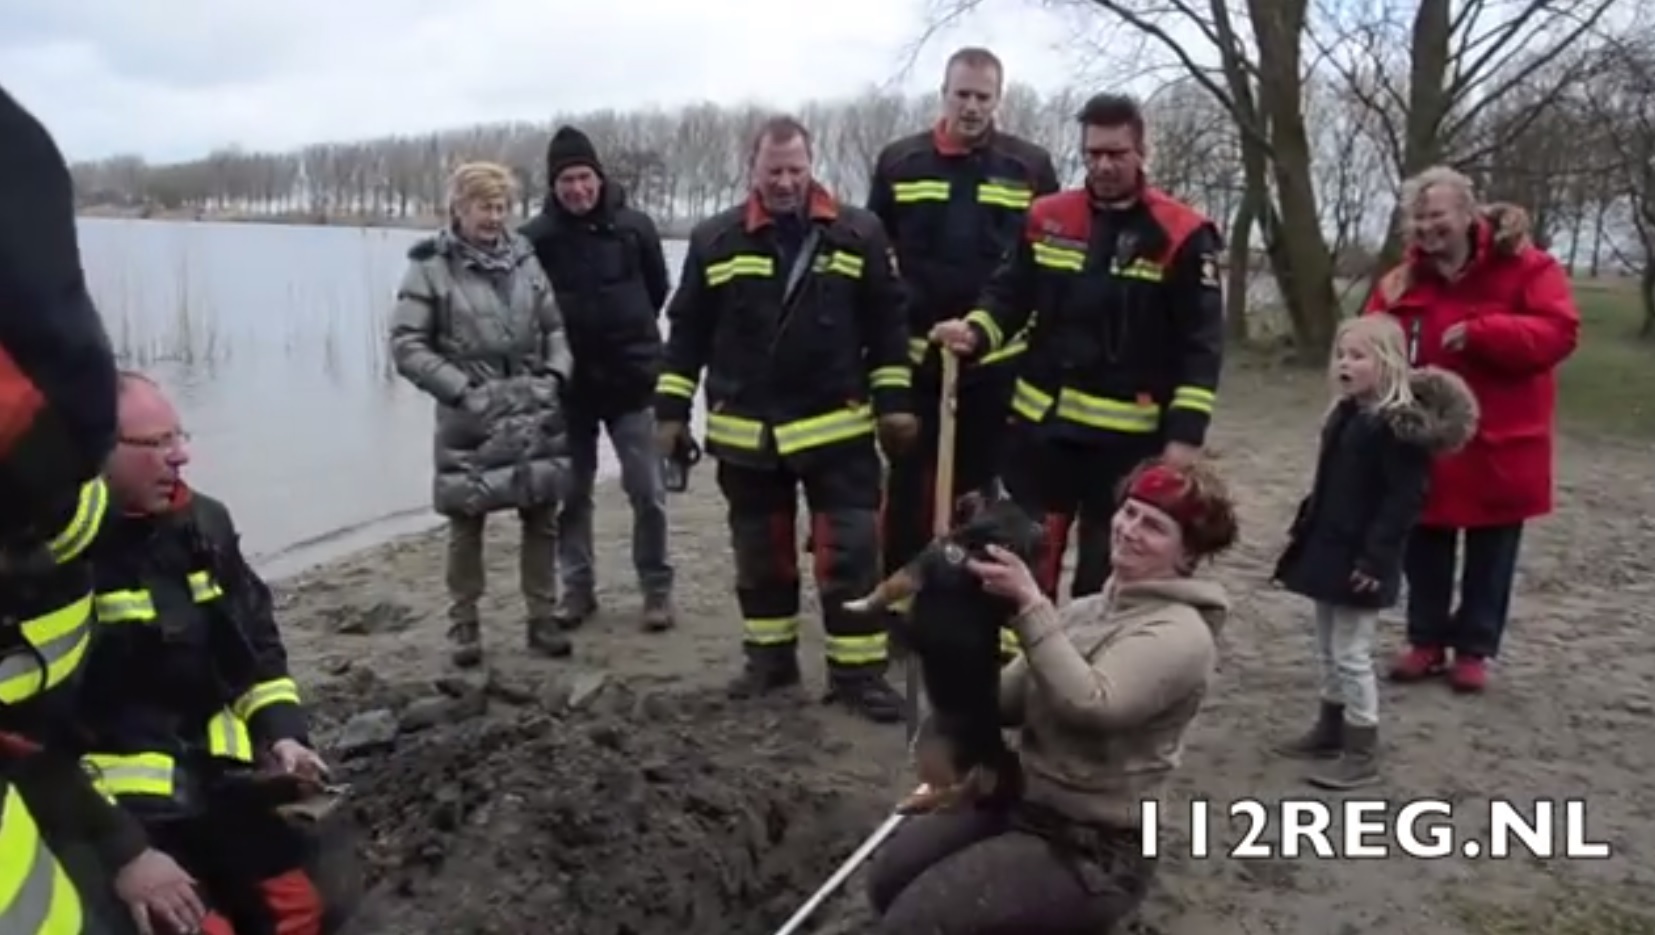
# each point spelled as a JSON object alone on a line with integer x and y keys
{"x": 1296, "y": 142}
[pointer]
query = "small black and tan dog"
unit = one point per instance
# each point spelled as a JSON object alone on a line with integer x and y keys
{"x": 953, "y": 629}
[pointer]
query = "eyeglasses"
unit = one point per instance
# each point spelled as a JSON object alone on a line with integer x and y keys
{"x": 167, "y": 441}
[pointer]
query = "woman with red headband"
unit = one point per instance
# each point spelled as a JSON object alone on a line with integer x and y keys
{"x": 1102, "y": 693}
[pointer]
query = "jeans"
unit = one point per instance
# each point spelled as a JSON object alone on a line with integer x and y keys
{"x": 632, "y": 436}
{"x": 1344, "y": 661}
{"x": 1477, "y": 626}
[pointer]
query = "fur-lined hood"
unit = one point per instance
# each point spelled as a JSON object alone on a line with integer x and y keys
{"x": 1443, "y": 415}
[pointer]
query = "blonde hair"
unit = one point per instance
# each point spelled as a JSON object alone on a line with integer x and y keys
{"x": 1382, "y": 337}
{"x": 480, "y": 181}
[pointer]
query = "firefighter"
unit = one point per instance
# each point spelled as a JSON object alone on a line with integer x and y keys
{"x": 790, "y": 303}
{"x": 953, "y": 200}
{"x": 69, "y": 860}
{"x": 188, "y": 701}
{"x": 1123, "y": 360}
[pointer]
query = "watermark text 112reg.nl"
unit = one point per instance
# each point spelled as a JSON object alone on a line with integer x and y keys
{"x": 1427, "y": 829}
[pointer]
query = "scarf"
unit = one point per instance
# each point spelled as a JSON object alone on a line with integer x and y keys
{"x": 497, "y": 258}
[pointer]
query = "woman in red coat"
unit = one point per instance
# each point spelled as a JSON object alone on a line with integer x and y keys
{"x": 1498, "y": 311}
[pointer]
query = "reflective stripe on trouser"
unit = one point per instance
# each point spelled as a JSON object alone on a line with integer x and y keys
{"x": 767, "y": 577}
{"x": 846, "y": 548}
{"x": 36, "y": 895}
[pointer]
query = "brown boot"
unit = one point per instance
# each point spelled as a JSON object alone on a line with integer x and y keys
{"x": 1356, "y": 767}
{"x": 658, "y": 616}
{"x": 465, "y": 642}
{"x": 1324, "y": 741}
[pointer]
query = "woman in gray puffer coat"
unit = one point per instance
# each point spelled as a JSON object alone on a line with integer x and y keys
{"x": 476, "y": 327}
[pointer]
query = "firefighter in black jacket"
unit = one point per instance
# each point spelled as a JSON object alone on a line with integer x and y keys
{"x": 1124, "y": 358}
{"x": 62, "y": 846}
{"x": 953, "y": 200}
{"x": 188, "y": 701}
{"x": 790, "y": 304}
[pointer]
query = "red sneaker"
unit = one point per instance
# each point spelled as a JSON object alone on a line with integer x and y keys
{"x": 1469, "y": 674}
{"x": 1419, "y": 663}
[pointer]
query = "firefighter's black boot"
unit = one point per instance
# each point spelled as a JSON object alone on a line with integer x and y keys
{"x": 767, "y": 669}
{"x": 864, "y": 691}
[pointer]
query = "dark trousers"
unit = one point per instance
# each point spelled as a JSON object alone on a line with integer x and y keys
{"x": 1060, "y": 482}
{"x": 841, "y": 488}
{"x": 1479, "y": 623}
{"x": 250, "y": 864}
{"x": 979, "y": 873}
{"x": 906, "y": 518}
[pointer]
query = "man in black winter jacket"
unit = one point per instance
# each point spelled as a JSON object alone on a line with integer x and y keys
{"x": 610, "y": 278}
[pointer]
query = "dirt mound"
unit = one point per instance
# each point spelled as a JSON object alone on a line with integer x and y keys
{"x": 673, "y": 813}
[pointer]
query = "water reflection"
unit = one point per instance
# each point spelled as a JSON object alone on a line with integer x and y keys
{"x": 272, "y": 338}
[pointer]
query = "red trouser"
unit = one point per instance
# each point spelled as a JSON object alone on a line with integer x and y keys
{"x": 250, "y": 864}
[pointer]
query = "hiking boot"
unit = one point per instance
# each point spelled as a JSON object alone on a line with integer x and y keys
{"x": 546, "y": 637}
{"x": 1469, "y": 674}
{"x": 658, "y": 616}
{"x": 1419, "y": 663}
{"x": 1324, "y": 741}
{"x": 765, "y": 672}
{"x": 574, "y": 609}
{"x": 465, "y": 644}
{"x": 1357, "y": 766}
{"x": 866, "y": 695}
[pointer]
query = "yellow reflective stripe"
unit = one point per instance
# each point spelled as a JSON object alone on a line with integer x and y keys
{"x": 1061, "y": 258}
{"x": 1140, "y": 269}
{"x": 265, "y": 694}
{"x": 228, "y": 737}
{"x": 1029, "y": 401}
{"x": 90, "y": 507}
{"x": 1111, "y": 414}
{"x": 129, "y": 606}
{"x": 1017, "y": 346}
{"x": 203, "y": 588}
{"x": 57, "y": 643}
{"x": 917, "y": 349}
{"x": 1005, "y": 196}
{"x": 770, "y": 631}
{"x": 856, "y": 650}
{"x": 671, "y": 384}
{"x": 919, "y": 190}
{"x": 36, "y": 895}
{"x": 742, "y": 264}
{"x": 901, "y": 606}
{"x": 1194, "y": 398}
{"x": 816, "y": 431}
{"x": 117, "y": 774}
{"x": 982, "y": 319}
{"x": 841, "y": 262}
{"x": 1009, "y": 646}
{"x": 894, "y": 377}
{"x": 734, "y": 431}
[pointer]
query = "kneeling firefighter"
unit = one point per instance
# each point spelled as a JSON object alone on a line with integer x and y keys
{"x": 69, "y": 860}
{"x": 193, "y": 721}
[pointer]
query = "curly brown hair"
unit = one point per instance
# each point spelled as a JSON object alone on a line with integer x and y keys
{"x": 1204, "y": 509}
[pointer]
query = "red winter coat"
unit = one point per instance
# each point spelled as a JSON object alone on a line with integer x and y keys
{"x": 1521, "y": 322}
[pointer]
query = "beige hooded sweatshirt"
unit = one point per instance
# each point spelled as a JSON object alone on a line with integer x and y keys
{"x": 1105, "y": 689}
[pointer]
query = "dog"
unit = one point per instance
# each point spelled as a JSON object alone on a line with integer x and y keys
{"x": 953, "y": 629}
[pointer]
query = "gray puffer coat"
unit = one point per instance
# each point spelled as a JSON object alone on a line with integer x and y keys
{"x": 490, "y": 347}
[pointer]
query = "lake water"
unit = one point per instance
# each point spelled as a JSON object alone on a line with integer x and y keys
{"x": 272, "y": 340}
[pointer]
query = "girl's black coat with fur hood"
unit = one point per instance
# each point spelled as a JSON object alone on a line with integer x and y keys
{"x": 1372, "y": 475}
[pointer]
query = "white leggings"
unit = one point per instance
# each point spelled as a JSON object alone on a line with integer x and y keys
{"x": 1344, "y": 661}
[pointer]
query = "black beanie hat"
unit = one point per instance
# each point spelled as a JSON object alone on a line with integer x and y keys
{"x": 570, "y": 147}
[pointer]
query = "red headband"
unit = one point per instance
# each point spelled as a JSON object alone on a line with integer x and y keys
{"x": 1168, "y": 490}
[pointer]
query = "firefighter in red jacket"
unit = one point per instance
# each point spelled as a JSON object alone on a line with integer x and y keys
{"x": 790, "y": 305}
{"x": 954, "y": 199}
{"x": 62, "y": 846}
{"x": 188, "y": 702}
{"x": 1124, "y": 358}
{"x": 1498, "y": 312}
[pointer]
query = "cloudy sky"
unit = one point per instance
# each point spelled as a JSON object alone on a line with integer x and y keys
{"x": 171, "y": 79}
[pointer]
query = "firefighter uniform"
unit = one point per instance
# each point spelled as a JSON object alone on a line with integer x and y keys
{"x": 60, "y": 843}
{"x": 798, "y": 323}
{"x": 187, "y": 684}
{"x": 952, "y": 213}
{"x": 1123, "y": 359}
